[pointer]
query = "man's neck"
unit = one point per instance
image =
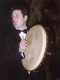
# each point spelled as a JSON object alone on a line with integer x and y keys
{"x": 22, "y": 28}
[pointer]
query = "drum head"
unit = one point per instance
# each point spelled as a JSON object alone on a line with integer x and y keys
{"x": 36, "y": 46}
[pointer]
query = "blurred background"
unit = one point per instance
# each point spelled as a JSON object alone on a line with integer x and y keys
{"x": 45, "y": 12}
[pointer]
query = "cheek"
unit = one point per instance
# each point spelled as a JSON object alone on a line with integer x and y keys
{"x": 20, "y": 20}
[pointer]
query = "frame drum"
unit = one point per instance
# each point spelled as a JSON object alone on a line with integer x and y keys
{"x": 36, "y": 47}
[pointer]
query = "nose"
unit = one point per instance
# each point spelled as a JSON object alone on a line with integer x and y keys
{"x": 14, "y": 19}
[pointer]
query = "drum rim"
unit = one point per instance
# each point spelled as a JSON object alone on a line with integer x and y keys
{"x": 40, "y": 60}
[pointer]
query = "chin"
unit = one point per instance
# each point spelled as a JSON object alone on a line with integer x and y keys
{"x": 16, "y": 27}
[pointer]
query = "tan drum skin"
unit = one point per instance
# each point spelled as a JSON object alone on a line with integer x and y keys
{"x": 36, "y": 47}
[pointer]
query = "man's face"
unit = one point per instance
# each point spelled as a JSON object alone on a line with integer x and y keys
{"x": 18, "y": 19}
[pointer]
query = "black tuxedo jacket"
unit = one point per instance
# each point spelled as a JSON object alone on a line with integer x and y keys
{"x": 10, "y": 59}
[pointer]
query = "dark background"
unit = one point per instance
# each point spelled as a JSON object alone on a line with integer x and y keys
{"x": 5, "y": 6}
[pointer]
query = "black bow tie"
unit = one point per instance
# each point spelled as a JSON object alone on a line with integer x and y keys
{"x": 25, "y": 31}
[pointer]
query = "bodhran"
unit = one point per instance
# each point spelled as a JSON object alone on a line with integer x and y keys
{"x": 36, "y": 47}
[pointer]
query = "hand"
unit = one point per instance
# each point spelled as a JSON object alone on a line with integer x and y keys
{"x": 22, "y": 45}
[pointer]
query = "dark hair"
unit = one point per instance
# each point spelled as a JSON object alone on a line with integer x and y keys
{"x": 23, "y": 9}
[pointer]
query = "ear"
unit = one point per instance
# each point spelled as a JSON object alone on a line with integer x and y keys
{"x": 25, "y": 17}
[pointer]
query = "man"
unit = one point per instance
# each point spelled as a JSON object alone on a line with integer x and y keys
{"x": 11, "y": 66}
{"x": 19, "y": 18}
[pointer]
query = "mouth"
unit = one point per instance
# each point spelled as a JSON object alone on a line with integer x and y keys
{"x": 14, "y": 23}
